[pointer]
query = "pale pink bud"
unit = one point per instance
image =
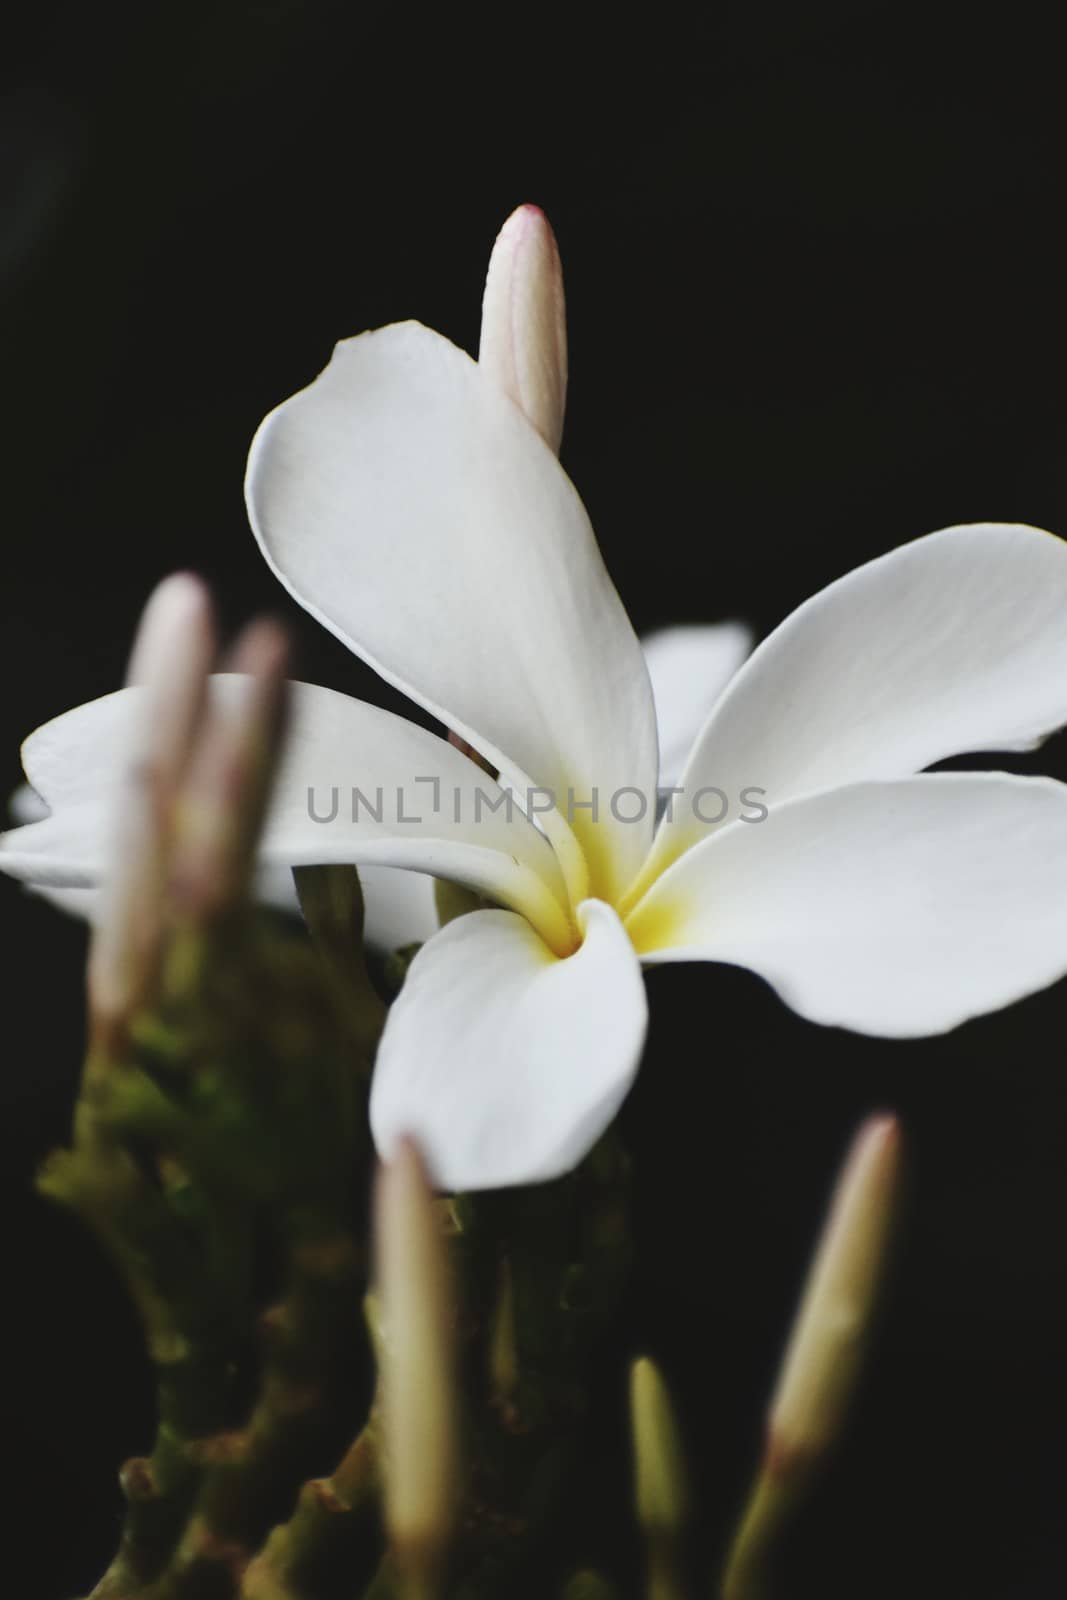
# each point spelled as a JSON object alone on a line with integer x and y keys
{"x": 171, "y": 659}
{"x": 524, "y": 331}
{"x": 224, "y": 796}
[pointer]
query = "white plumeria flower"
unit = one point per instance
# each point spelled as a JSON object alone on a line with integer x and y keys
{"x": 412, "y": 502}
{"x": 523, "y": 348}
{"x": 407, "y": 504}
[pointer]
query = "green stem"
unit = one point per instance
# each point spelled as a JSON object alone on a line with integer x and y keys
{"x": 235, "y": 1124}
{"x": 191, "y": 1346}
{"x": 747, "y": 1573}
{"x": 665, "y": 1580}
{"x": 332, "y": 903}
{"x": 331, "y": 1516}
{"x": 588, "y": 1585}
{"x": 248, "y": 1473}
{"x": 566, "y": 1254}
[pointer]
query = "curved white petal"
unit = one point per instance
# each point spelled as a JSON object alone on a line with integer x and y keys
{"x": 398, "y": 906}
{"x": 956, "y": 642}
{"x": 274, "y": 886}
{"x": 421, "y": 804}
{"x": 898, "y": 908}
{"x": 504, "y": 1063}
{"x": 82, "y": 904}
{"x": 407, "y": 504}
{"x": 26, "y": 805}
{"x": 86, "y": 903}
{"x": 689, "y": 667}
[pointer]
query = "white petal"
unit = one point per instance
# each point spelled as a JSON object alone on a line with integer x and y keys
{"x": 898, "y": 908}
{"x": 956, "y": 642}
{"x": 274, "y": 886}
{"x": 398, "y": 906}
{"x": 66, "y": 850}
{"x": 26, "y": 805}
{"x": 81, "y": 903}
{"x": 334, "y": 745}
{"x": 504, "y": 1063}
{"x": 407, "y": 505}
{"x": 689, "y": 667}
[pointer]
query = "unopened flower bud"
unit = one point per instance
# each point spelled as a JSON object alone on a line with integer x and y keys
{"x": 170, "y": 662}
{"x": 825, "y": 1350}
{"x": 416, "y": 1360}
{"x": 524, "y": 332}
{"x": 660, "y": 1489}
{"x": 523, "y": 343}
{"x": 826, "y": 1345}
{"x": 225, "y": 793}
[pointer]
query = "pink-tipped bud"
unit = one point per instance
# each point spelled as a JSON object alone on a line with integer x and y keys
{"x": 171, "y": 659}
{"x": 524, "y": 331}
{"x": 172, "y": 655}
{"x": 417, "y": 1367}
{"x": 224, "y": 796}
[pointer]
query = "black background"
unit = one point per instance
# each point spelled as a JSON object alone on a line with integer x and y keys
{"x": 816, "y": 288}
